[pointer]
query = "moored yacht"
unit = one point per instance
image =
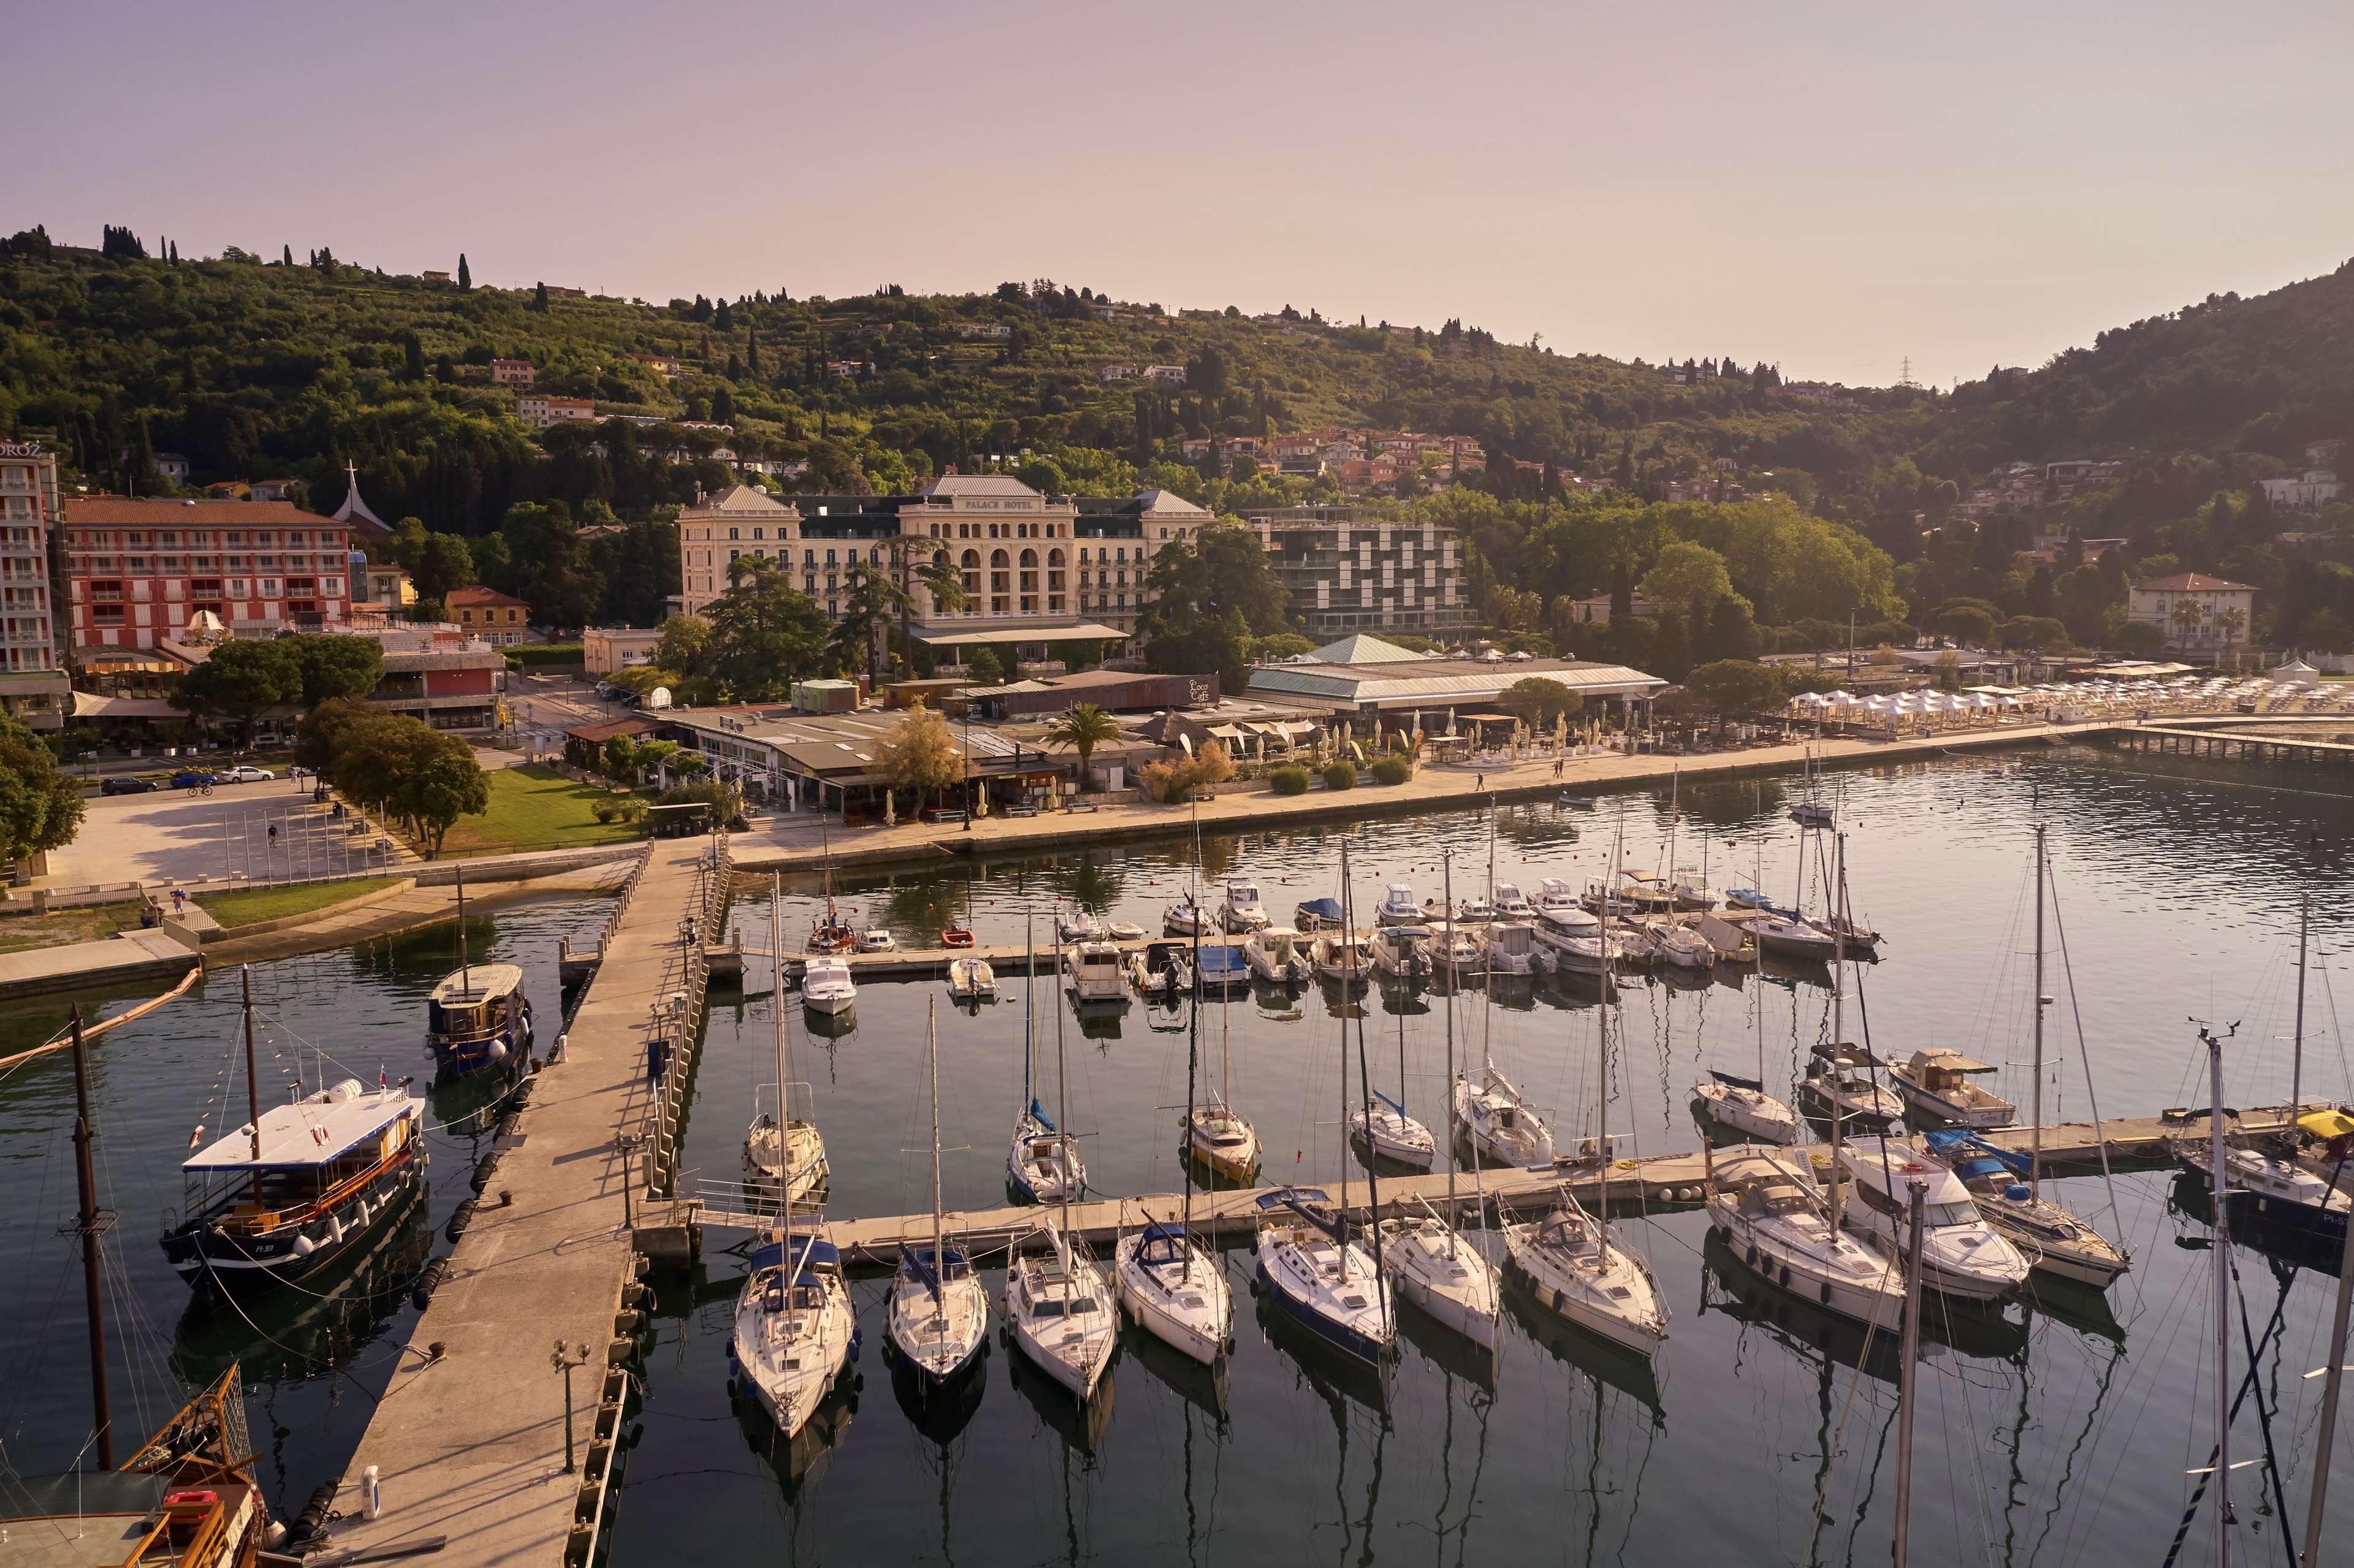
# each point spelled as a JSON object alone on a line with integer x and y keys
{"x": 1341, "y": 959}
{"x": 1453, "y": 950}
{"x": 826, "y": 985}
{"x": 1277, "y": 957}
{"x": 1319, "y": 1275}
{"x": 1766, "y": 1205}
{"x": 1502, "y": 1126}
{"x": 1839, "y": 1083}
{"x": 1574, "y": 939}
{"x": 2281, "y": 1190}
{"x": 1936, "y": 1083}
{"x": 1398, "y": 906}
{"x": 478, "y": 1016}
{"x": 1091, "y": 972}
{"x": 1508, "y": 950}
{"x": 1443, "y": 1272}
{"x": 1743, "y": 1105}
{"x": 1242, "y": 910}
{"x": 793, "y": 1329}
{"x": 1175, "y": 1290}
{"x": 1512, "y": 905}
{"x": 1060, "y": 1312}
{"x": 1388, "y": 1134}
{"x": 1961, "y": 1256}
{"x": 972, "y": 979}
{"x": 2056, "y": 1241}
{"x": 1580, "y": 1274}
{"x": 1398, "y": 953}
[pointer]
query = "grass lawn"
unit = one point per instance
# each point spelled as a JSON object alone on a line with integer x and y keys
{"x": 533, "y": 808}
{"x": 83, "y": 923}
{"x": 249, "y": 906}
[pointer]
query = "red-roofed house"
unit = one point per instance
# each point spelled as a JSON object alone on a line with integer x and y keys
{"x": 2196, "y": 611}
{"x": 500, "y": 619}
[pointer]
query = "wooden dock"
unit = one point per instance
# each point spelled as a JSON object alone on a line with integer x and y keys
{"x": 1670, "y": 1181}
{"x": 2232, "y": 744}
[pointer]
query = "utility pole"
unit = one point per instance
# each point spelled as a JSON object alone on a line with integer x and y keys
{"x": 93, "y": 1224}
{"x": 1908, "y": 1387}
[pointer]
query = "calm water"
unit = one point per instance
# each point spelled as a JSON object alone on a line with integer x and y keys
{"x": 2049, "y": 1434}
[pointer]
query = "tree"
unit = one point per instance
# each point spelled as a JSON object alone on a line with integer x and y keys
{"x": 1692, "y": 578}
{"x": 2141, "y": 638}
{"x": 1967, "y": 623}
{"x": 2032, "y": 632}
{"x": 1736, "y": 688}
{"x": 1083, "y": 728}
{"x": 619, "y": 757}
{"x": 1214, "y": 644}
{"x": 685, "y": 644}
{"x": 40, "y": 805}
{"x": 539, "y": 297}
{"x": 2233, "y": 619}
{"x": 1731, "y": 631}
{"x": 1222, "y": 570}
{"x": 465, "y": 275}
{"x": 1539, "y": 701}
{"x": 439, "y": 782}
{"x": 241, "y": 680}
{"x": 873, "y": 599}
{"x": 1670, "y": 647}
{"x": 412, "y": 357}
{"x": 329, "y": 667}
{"x": 982, "y": 667}
{"x": 921, "y": 755}
{"x": 765, "y": 634}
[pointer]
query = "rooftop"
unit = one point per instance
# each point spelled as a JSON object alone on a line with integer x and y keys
{"x": 1439, "y": 682}
{"x": 314, "y": 1130}
{"x": 144, "y": 513}
{"x": 2194, "y": 582}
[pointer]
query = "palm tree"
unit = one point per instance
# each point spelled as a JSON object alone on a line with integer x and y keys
{"x": 2233, "y": 620}
{"x": 1083, "y": 728}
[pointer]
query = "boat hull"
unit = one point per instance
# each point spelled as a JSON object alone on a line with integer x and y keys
{"x": 1572, "y": 1301}
{"x": 220, "y": 1264}
{"x": 1199, "y": 1336}
{"x": 1371, "y": 1349}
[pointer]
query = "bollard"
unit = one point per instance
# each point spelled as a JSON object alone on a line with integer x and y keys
{"x": 372, "y": 1488}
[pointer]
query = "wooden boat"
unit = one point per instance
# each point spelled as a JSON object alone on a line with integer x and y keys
{"x": 478, "y": 1017}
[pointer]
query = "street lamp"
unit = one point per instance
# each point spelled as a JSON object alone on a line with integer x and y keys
{"x": 564, "y": 1361}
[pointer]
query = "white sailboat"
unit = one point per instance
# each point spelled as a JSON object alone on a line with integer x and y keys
{"x": 1214, "y": 1133}
{"x": 1043, "y": 1163}
{"x": 1057, "y": 1301}
{"x": 1382, "y": 1129}
{"x": 1766, "y": 1203}
{"x": 1171, "y": 1284}
{"x": 780, "y": 1151}
{"x": 1742, "y": 1104}
{"x": 1490, "y": 1111}
{"x": 940, "y": 1314}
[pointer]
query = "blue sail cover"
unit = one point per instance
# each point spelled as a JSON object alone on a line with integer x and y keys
{"x": 1038, "y": 1114}
{"x": 1222, "y": 960}
{"x": 1161, "y": 1243}
{"x": 1321, "y": 909}
{"x": 1731, "y": 1082}
{"x": 820, "y": 1253}
{"x": 1981, "y": 1158}
{"x": 1389, "y": 1102}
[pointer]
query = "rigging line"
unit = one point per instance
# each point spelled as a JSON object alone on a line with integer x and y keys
{"x": 2085, "y": 1059}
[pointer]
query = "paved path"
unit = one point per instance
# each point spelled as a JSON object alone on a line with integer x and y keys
{"x": 110, "y": 960}
{"x": 407, "y": 910}
{"x": 472, "y": 1446}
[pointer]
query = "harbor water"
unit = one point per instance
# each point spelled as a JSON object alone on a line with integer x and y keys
{"x": 1763, "y": 1431}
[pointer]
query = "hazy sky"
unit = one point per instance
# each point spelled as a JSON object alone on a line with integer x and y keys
{"x": 1831, "y": 186}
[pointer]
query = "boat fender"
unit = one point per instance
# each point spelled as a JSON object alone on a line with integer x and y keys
{"x": 305, "y": 1247}
{"x": 498, "y": 1051}
{"x": 310, "y": 1524}
{"x": 2016, "y": 1192}
{"x": 460, "y": 1218}
{"x": 1827, "y": 1292}
{"x": 429, "y": 1282}
{"x": 482, "y": 1169}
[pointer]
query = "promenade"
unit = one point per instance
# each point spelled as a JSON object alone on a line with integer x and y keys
{"x": 469, "y": 1440}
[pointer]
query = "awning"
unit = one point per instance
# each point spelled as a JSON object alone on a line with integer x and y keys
{"x": 2326, "y": 1124}
{"x": 90, "y": 705}
{"x": 1084, "y": 631}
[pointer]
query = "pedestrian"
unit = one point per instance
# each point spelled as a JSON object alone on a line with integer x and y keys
{"x": 179, "y": 901}
{"x": 1483, "y": 781}
{"x": 273, "y": 833}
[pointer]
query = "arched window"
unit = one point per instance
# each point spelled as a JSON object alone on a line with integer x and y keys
{"x": 1029, "y": 557}
{"x": 997, "y": 560}
{"x": 1054, "y": 557}
{"x": 972, "y": 560}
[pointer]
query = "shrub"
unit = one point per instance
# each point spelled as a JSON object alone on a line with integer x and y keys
{"x": 1341, "y": 775}
{"x": 1170, "y": 782}
{"x": 526, "y": 654}
{"x": 605, "y": 809}
{"x": 1392, "y": 769}
{"x": 1290, "y": 780}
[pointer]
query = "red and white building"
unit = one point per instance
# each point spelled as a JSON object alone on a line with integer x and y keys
{"x": 139, "y": 572}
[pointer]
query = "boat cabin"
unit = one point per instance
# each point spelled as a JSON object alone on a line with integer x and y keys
{"x": 1945, "y": 1072}
{"x": 479, "y": 1002}
{"x": 314, "y": 1153}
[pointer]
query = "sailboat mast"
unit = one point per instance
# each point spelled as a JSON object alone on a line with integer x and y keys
{"x": 2035, "y": 1132}
{"x": 1063, "y": 1116}
{"x": 784, "y": 1047}
{"x": 1449, "y": 993}
{"x": 2335, "y": 1381}
{"x": 1365, "y": 1084}
{"x": 1602, "y": 1028}
{"x": 2296, "y": 1055}
{"x": 466, "y": 978}
{"x": 1028, "y": 1010}
{"x": 940, "y": 1240}
{"x": 1839, "y": 1016}
{"x": 252, "y": 1084}
{"x": 1348, "y": 941}
{"x": 1908, "y": 1375}
{"x": 2219, "y": 1190}
{"x": 1193, "y": 1057}
{"x": 91, "y": 1227}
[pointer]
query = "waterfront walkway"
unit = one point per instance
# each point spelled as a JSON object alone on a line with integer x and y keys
{"x": 469, "y": 1440}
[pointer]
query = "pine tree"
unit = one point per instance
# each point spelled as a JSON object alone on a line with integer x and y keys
{"x": 1670, "y": 647}
{"x": 723, "y": 318}
{"x": 465, "y": 275}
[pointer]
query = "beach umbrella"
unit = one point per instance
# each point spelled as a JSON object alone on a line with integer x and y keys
{"x": 890, "y": 818}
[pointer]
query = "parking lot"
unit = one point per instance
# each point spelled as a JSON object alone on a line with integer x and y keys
{"x": 173, "y": 835}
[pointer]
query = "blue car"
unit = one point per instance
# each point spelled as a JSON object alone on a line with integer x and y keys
{"x": 192, "y": 779}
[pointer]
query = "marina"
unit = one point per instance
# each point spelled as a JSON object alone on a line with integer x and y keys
{"x": 1936, "y": 851}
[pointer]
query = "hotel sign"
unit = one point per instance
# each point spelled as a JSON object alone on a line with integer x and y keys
{"x": 21, "y": 449}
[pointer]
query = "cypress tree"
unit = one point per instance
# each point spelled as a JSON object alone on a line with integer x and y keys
{"x": 539, "y": 297}
{"x": 752, "y": 348}
{"x": 465, "y": 276}
{"x": 286, "y": 256}
{"x": 416, "y": 368}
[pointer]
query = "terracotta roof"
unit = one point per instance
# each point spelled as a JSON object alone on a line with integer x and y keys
{"x": 2196, "y": 582}
{"x": 598, "y": 733}
{"x": 477, "y": 595}
{"x": 122, "y": 509}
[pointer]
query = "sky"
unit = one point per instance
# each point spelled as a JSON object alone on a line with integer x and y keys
{"x": 1835, "y": 188}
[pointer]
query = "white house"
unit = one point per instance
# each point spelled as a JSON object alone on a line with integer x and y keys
{"x": 2316, "y": 488}
{"x": 2195, "y": 610}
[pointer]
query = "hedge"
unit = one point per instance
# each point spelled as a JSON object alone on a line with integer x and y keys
{"x": 1390, "y": 770}
{"x": 1291, "y": 780}
{"x": 528, "y": 653}
{"x": 1341, "y": 775}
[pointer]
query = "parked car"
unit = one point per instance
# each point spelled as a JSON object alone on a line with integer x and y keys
{"x": 298, "y": 771}
{"x": 126, "y": 785}
{"x": 243, "y": 774}
{"x": 192, "y": 779}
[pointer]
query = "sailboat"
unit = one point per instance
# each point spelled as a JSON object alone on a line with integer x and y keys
{"x": 1170, "y": 1283}
{"x": 795, "y": 1327}
{"x": 1490, "y": 1113}
{"x": 1811, "y": 812}
{"x": 1056, "y": 1300}
{"x": 779, "y": 1151}
{"x": 1213, "y": 1133}
{"x": 1382, "y": 1129}
{"x": 832, "y": 933}
{"x": 1430, "y": 1261}
{"x": 1766, "y": 1204}
{"x": 473, "y": 1023}
{"x": 1742, "y": 1104}
{"x": 1579, "y": 1270}
{"x": 1043, "y": 1164}
{"x": 939, "y": 1313}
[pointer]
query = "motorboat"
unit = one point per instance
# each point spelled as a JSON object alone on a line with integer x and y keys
{"x": 1321, "y": 1276}
{"x": 1174, "y": 1289}
{"x": 1242, "y": 910}
{"x": 1277, "y": 957}
{"x": 478, "y": 1017}
{"x": 1840, "y": 1085}
{"x": 1398, "y": 906}
{"x": 1222, "y": 969}
{"x": 2279, "y": 1189}
{"x": 1341, "y": 959}
{"x": 1746, "y": 898}
{"x": 1398, "y": 953}
{"x": 1454, "y": 950}
{"x": 1444, "y": 1273}
{"x": 1043, "y": 1163}
{"x": 793, "y": 1329}
{"x": 877, "y": 941}
{"x": 1961, "y": 1254}
{"x": 1767, "y": 1207}
{"x": 1691, "y": 892}
{"x": 826, "y": 985}
{"x": 1221, "y": 1142}
{"x": 1681, "y": 946}
{"x": 1555, "y": 897}
{"x": 1743, "y": 1105}
{"x": 1061, "y": 1312}
{"x": 1125, "y": 931}
{"x": 1574, "y": 938}
{"x": 1512, "y": 905}
{"x": 1163, "y": 971}
{"x": 956, "y": 937}
{"x": 832, "y": 934}
{"x": 1077, "y": 925}
{"x": 1606, "y": 898}
{"x": 1183, "y": 918}
{"x": 307, "y": 1183}
{"x": 1646, "y": 895}
{"x": 1310, "y": 915}
{"x": 1388, "y": 1134}
{"x": 1473, "y": 909}
{"x": 1091, "y": 973}
{"x": 2055, "y": 1240}
{"x": 1581, "y": 1275}
{"x": 1501, "y": 1126}
{"x": 1508, "y": 950}
{"x": 1787, "y": 936}
{"x": 972, "y": 979}
{"x": 1936, "y": 1084}
{"x": 1575, "y": 803}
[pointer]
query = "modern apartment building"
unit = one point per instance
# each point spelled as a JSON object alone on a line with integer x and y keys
{"x": 1037, "y": 569}
{"x": 1350, "y": 569}
{"x": 139, "y": 572}
{"x": 34, "y": 688}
